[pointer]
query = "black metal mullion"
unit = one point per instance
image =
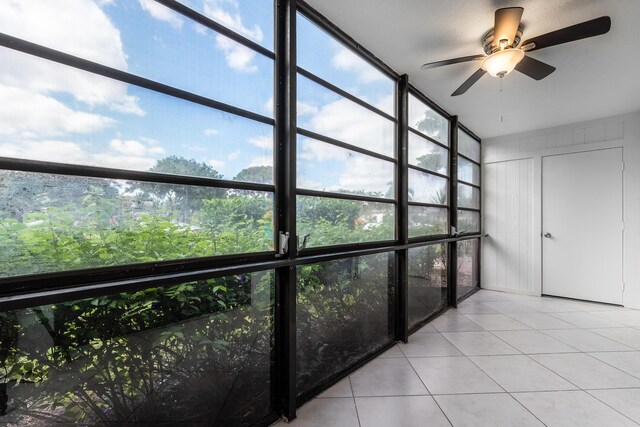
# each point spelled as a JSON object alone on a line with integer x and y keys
{"x": 402, "y": 195}
{"x": 469, "y": 158}
{"x": 428, "y": 138}
{"x": 460, "y": 208}
{"x": 329, "y": 27}
{"x": 285, "y": 164}
{"x": 428, "y": 205}
{"x": 37, "y": 166}
{"x": 468, "y": 184}
{"x": 469, "y": 132}
{"x": 425, "y": 99}
{"x": 215, "y": 26}
{"x": 329, "y": 140}
{"x": 452, "y": 284}
{"x": 427, "y": 171}
{"x": 343, "y": 93}
{"x": 343, "y": 196}
{"x": 112, "y": 73}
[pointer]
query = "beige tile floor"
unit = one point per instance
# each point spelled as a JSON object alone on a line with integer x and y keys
{"x": 498, "y": 360}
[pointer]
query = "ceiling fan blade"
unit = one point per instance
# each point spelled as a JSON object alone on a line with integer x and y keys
{"x": 469, "y": 82}
{"x": 594, "y": 27}
{"x": 452, "y": 61}
{"x": 533, "y": 68}
{"x": 506, "y": 23}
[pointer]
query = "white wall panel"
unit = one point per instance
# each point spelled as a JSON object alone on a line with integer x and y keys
{"x": 507, "y": 209}
{"x": 512, "y": 214}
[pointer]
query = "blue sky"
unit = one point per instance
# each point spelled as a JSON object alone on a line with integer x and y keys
{"x": 67, "y": 115}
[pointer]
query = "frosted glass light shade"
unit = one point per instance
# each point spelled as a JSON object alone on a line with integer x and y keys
{"x": 502, "y": 62}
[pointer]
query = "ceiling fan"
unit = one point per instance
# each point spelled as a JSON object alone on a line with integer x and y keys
{"x": 504, "y": 52}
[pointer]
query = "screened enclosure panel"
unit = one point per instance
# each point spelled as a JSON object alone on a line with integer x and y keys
{"x": 197, "y": 353}
{"x": 427, "y": 285}
{"x": 52, "y": 223}
{"x": 427, "y": 155}
{"x": 329, "y": 221}
{"x": 150, "y": 40}
{"x": 326, "y": 167}
{"x": 468, "y": 146}
{"x": 427, "y": 221}
{"x": 344, "y": 313}
{"x": 468, "y": 221}
{"x": 426, "y": 121}
{"x": 468, "y": 268}
{"x": 331, "y": 60}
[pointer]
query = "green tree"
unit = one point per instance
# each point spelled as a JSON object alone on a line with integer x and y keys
{"x": 181, "y": 199}
{"x": 257, "y": 174}
{"x": 432, "y": 161}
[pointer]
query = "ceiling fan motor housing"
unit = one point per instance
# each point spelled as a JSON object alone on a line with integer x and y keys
{"x": 489, "y": 45}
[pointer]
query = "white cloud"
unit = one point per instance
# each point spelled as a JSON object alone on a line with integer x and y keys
{"x": 29, "y": 114}
{"x": 304, "y": 108}
{"x": 134, "y": 148}
{"x": 34, "y": 20}
{"x": 210, "y": 132}
{"x": 263, "y": 142}
{"x": 48, "y": 150}
{"x": 268, "y": 106}
{"x": 162, "y": 13}
{"x": 238, "y": 57}
{"x": 123, "y": 162}
{"x": 68, "y": 33}
{"x": 234, "y": 155}
{"x": 357, "y": 172}
{"x": 350, "y": 123}
{"x": 214, "y": 9}
{"x": 218, "y": 164}
{"x": 260, "y": 161}
{"x": 73, "y": 153}
{"x": 346, "y": 60}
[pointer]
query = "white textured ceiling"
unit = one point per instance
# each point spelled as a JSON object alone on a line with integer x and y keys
{"x": 595, "y": 78}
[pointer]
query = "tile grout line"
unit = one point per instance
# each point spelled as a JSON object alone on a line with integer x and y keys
{"x": 505, "y": 390}
{"x": 355, "y": 404}
{"x": 430, "y": 395}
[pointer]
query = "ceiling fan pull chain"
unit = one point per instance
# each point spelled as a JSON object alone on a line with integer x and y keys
{"x": 501, "y": 118}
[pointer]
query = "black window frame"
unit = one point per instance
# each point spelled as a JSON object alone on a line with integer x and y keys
{"x": 27, "y": 291}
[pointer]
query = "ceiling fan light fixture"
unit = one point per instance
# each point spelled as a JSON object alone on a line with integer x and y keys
{"x": 502, "y": 62}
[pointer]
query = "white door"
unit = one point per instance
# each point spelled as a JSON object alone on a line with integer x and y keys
{"x": 582, "y": 225}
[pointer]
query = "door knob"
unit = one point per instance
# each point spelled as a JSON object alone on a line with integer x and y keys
{"x": 547, "y": 235}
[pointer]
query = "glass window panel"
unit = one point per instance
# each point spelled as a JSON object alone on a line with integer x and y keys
{"x": 468, "y": 221}
{"x": 468, "y": 146}
{"x": 426, "y": 221}
{"x": 468, "y": 171}
{"x": 427, "y": 282}
{"x": 326, "y": 167}
{"x": 250, "y": 18}
{"x": 427, "y": 188}
{"x": 427, "y": 155}
{"x": 423, "y": 119}
{"x": 196, "y": 352}
{"x": 144, "y": 38}
{"x": 330, "y": 221}
{"x": 327, "y": 113}
{"x": 468, "y": 197}
{"x": 56, "y": 222}
{"x": 133, "y": 128}
{"x": 324, "y": 56}
{"x": 344, "y": 312}
{"x": 468, "y": 268}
